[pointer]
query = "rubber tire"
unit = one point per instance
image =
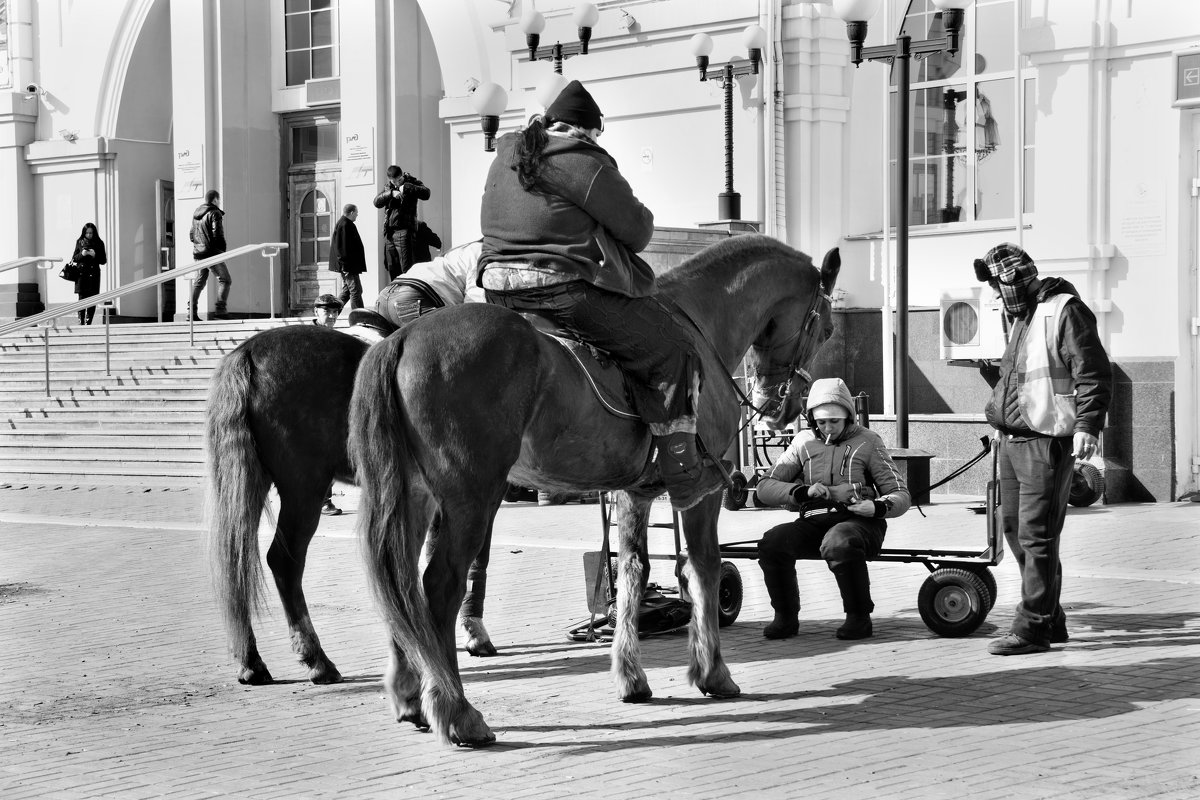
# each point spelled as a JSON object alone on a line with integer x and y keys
{"x": 515, "y": 494}
{"x": 989, "y": 581}
{"x": 953, "y": 602}
{"x": 1087, "y": 485}
{"x": 729, "y": 594}
{"x": 735, "y": 498}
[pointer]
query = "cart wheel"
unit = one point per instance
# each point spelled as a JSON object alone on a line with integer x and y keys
{"x": 734, "y": 498}
{"x": 953, "y": 602}
{"x": 515, "y": 494}
{"x": 989, "y": 582}
{"x": 729, "y": 594}
{"x": 1087, "y": 485}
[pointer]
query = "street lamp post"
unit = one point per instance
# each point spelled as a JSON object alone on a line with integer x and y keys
{"x": 533, "y": 23}
{"x": 856, "y": 13}
{"x": 729, "y": 202}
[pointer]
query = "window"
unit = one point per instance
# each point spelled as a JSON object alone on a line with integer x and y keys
{"x": 313, "y": 143}
{"x": 315, "y": 223}
{"x": 310, "y": 40}
{"x": 965, "y": 147}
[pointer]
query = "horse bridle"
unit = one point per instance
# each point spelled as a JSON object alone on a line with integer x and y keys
{"x": 781, "y": 390}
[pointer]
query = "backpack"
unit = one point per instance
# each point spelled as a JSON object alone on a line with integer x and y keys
{"x": 201, "y": 236}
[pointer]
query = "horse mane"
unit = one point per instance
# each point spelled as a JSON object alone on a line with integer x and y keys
{"x": 726, "y": 260}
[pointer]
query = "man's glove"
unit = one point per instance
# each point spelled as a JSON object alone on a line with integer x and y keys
{"x": 800, "y": 494}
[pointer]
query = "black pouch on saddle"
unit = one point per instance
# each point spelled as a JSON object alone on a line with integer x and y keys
{"x": 825, "y": 513}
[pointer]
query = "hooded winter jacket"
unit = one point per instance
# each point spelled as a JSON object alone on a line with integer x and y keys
{"x": 857, "y": 456}
{"x": 581, "y": 222}
{"x": 208, "y": 231}
{"x": 1011, "y": 408}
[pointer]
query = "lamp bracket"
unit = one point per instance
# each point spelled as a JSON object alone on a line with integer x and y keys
{"x": 740, "y": 70}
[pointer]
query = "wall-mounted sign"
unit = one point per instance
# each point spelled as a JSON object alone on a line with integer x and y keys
{"x": 358, "y": 157}
{"x": 189, "y": 171}
{"x": 1187, "y": 78}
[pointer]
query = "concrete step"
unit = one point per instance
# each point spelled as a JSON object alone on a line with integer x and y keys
{"x": 60, "y": 395}
{"x": 166, "y": 436}
{"x": 119, "y": 420}
{"x": 149, "y": 454}
{"x": 82, "y": 472}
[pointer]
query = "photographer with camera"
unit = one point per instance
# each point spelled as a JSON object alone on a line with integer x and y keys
{"x": 399, "y": 203}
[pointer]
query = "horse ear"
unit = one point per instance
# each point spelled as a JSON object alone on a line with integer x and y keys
{"x": 830, "y": 268}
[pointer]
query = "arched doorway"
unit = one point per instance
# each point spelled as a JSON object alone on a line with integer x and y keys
{"x": 314, "y": 205}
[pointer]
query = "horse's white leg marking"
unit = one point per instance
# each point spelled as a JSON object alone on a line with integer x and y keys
{"x": 706, "y": 667}
{"x": 632, "y": 516}
{"x": 479, "y": 641}
{"x": 403, "y": 688}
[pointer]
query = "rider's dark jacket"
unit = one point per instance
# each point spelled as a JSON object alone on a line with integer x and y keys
{"x": 582, "y": 222}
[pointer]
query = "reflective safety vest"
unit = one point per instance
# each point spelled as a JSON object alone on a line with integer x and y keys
{"x": 1045, "y": 387}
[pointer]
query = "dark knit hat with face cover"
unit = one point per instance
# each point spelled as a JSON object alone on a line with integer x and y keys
{"x": 1009, "y": 269}
{"x": 575, "y": 105}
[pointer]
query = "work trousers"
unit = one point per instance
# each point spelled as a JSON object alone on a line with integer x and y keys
{"x": 1035, "y": 484}
{"x": 640, "y": 334}
{"x": 846, "y": 546}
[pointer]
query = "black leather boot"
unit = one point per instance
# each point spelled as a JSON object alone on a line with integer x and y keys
{"x": 683, "y": 470}
{"x": 780, "y": 580}
{"x": 854, "y": 583}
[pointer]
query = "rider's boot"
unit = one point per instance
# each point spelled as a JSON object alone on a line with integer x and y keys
{"x": 780, "y": 580}
{"x": 689, "y": 479}
{"x": 854, "y": 583}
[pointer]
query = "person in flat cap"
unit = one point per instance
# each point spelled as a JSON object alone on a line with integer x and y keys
{"x": 1048, "y": 408}
{"x": 842, "y": 479}
{"x": 561, "y": 232}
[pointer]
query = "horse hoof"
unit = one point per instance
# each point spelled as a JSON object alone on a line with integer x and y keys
{"x": 324, "y": 677}
{"x": 722, "y": 692}
{"x": 255, "y": 676}
{"x": 484, "y": 648}
{"x": 638, "y": 696}
{"x": 484, "y": 741}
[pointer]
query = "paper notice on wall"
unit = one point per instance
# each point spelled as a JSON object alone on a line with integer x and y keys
{"x": 358, "y": 157}
{"x": 189, "y": 171}
{"x": 1140, "y": 223}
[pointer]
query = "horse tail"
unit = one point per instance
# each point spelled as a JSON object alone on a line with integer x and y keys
{"x": 237, "y": 487}
{"x": 394, "y": 514}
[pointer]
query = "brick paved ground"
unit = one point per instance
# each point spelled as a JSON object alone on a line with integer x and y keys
{"x": 114, "y": 680}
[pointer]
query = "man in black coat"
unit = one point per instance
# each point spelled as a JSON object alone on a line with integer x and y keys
{"x": 399, "y": 203}
{"x": 347, "y": 256}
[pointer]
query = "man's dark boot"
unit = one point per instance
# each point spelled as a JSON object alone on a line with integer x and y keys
{"x": 687, "y": 477}
{"x": 785, "y": 599}
{"x": 854, "y": 583}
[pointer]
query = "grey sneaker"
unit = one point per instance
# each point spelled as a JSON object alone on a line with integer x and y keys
{"x": 1012, "y": 645}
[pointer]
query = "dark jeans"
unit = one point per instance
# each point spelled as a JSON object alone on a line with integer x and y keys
{"x": 224, "y": 282}
{"x": 398, "y": 252}
{"x": 1035, "y": 484}
{"x": 351, "y": 290}
{"x": 640, "y": 334}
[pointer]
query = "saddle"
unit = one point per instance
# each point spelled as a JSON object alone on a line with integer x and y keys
{"x": 608, "y": 382}
{"x": 367, "y": 318}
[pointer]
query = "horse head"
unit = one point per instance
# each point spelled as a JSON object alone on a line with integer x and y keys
{"x": 782, "y": 355}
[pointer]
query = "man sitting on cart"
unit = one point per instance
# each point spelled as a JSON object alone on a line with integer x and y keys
{"x": 841, "y": 478}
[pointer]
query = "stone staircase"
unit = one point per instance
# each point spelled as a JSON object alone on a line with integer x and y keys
{"x": 143, "y": 424}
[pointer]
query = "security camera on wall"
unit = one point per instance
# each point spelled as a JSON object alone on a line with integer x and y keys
{"x": 33, "y": 88}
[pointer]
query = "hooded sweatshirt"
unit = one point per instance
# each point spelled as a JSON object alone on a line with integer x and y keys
{"x": 856, "y": 456}
{"x": 208, "y": 231}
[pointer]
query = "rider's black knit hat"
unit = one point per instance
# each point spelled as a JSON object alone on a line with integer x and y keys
{"x": 575, "y": 105}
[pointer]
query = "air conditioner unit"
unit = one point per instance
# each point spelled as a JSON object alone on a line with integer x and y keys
{"x": 972, "y": 326}
{"x": 322, "y": 91}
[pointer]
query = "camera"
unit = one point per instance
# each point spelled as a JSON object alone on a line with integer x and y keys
{"x": 33, "y": 88}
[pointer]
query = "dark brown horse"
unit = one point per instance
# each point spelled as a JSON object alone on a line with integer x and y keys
{"x": 276, "y": 415}
{"x": 446, "y": 409}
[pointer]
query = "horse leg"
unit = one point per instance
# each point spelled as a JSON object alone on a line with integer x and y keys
{"x": 479, "y": 642}
{"x": 299, "y": 513}
{"x": 632, "y": 517}
{"x": 706, "y": 668}
{"x": 403, "y": 686}
{"x": 458, "y": 537}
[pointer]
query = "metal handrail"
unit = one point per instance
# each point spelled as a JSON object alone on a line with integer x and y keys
{"x": 269, "y": 250}
{"x": 21, "y": 262}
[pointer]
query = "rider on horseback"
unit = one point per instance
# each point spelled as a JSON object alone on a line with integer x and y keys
{"x": 561, "y": 229}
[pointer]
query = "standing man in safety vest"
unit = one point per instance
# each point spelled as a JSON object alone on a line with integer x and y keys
{"x": 1048, "y": 408}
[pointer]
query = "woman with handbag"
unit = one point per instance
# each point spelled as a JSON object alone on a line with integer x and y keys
{"x": 89, "y": 255}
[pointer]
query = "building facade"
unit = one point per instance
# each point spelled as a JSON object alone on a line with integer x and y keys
{"x": 1065, "y": 126}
